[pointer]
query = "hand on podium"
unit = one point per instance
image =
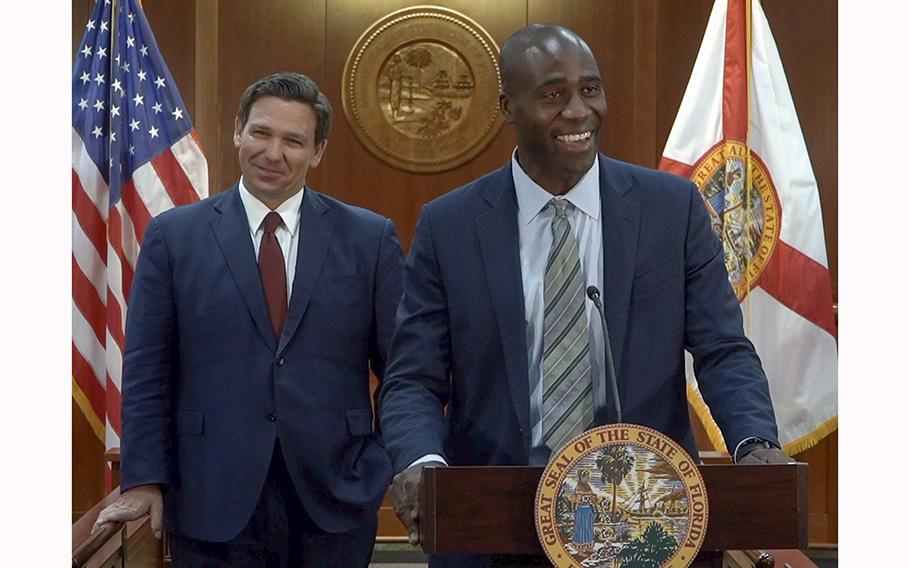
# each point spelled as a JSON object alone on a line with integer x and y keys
{"x": 766, "y": 455}
{"x": 131, "y": 505}
{"x": 406, "y": 497}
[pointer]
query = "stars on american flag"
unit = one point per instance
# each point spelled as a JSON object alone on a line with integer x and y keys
{"x": 130, "y": 108}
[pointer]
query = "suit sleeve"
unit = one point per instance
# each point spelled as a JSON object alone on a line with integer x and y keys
{"x": 386, "y": 294}
{"x": 148, "y": 367}
{"x": 729, "y": 372}
{"x": 416, "y": 386}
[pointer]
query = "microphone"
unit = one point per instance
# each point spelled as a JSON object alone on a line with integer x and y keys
{"x": 594, "y": 295}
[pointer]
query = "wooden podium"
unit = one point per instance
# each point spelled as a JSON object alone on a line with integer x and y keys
{"x": 490, "y": 510}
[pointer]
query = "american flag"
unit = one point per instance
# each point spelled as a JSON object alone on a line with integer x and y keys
{"x": 135, "y": 154}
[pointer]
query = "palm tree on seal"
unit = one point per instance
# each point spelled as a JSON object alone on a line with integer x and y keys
{"x": 419, "y": 58}
{"x": 614, "y": 463}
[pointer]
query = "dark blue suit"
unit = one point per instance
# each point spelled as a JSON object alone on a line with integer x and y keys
{"x": 206, "y": 390}
{"x": 460, "y": 338}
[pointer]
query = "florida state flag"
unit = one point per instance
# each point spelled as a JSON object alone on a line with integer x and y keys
{"x": 738, "y": 139}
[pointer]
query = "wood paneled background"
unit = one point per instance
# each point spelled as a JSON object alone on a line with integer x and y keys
{"x": 645, "y": 49}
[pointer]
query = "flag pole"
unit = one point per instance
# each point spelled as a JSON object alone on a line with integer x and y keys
{"x": 109, "y": 166}
{"x": 112, "y": 70}
{"x": 747, "y": 303}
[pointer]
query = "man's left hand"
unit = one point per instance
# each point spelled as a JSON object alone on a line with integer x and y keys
{"x": 766, "y": 455}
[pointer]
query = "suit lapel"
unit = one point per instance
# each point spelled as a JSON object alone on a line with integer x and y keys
{"x": 232, "y": 231}
{"x": 316, "y": 228}
{"x": 621, "y": 219}
{"x": 497, "y": 233}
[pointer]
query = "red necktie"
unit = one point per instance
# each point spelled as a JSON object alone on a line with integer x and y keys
{"x": 271, "y": 269}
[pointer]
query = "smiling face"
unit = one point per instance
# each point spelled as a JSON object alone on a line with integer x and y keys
{"x": 276, "y": 148}
{"x": 553, "y": 96}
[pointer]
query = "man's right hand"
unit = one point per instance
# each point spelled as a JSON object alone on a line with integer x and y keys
{"x": 406, "y": 498}
{"x": 132, "y": 504}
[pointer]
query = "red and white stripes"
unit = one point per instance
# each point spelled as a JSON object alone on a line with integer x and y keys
{"x": 106, "y": 243}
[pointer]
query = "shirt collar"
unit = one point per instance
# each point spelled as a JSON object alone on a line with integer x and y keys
{"x": 532, "y": 199}
{"x": 257, "y": 210}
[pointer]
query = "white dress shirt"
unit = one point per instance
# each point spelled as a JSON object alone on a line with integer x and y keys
{"x": 535, "y": 237}
{"x": 287, "y": 233}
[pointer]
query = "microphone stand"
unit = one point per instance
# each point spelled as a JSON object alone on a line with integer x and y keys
{"x": 594, "y": 295}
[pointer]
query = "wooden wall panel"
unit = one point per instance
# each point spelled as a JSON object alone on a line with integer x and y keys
{"x": 370, "y": 182}
{"x": 645, "y": 49}
{"x": 256, "y": 39}
{"x": 88, "y": 460}
{"x": 205, "y": 85}
{"x": 610, "y": 30}
{"x": 822, "y": 460}
{"x": 174, "y": 26}
{"x": 806, "y": 37}
{"x": 87, "y": 450}
{"x": 680, "y": 29}
{"x": 82, "y": 9}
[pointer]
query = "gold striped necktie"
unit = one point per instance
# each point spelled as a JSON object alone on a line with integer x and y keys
{"x": 568, "y": 399}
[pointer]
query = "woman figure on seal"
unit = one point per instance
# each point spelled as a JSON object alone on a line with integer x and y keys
{"x": 583, "y": 534}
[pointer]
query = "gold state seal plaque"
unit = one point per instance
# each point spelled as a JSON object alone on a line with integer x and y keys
{"x": 621, "y": 496}
{"x": 421, "y": 89}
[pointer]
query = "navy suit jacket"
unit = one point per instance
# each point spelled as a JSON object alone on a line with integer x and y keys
{"x": 460, "y": 338}
{"x": 206, "y": 389}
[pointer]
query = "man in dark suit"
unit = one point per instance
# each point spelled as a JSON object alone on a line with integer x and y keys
{"x": 254, "y": 318}
{"x": 494, "y": 323}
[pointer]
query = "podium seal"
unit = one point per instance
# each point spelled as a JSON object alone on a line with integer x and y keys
{"x": 621, "y": 496}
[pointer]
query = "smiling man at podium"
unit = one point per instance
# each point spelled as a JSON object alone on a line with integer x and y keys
{"x": 499, "y": 357}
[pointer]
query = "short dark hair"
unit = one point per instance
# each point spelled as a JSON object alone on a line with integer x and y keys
{"x": 290, "y": 86}
{"x": 515, "y": 48}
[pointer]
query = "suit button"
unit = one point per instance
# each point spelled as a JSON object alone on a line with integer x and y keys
{"x": 272, "y": 416}
{"x": 280, "y": 361}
